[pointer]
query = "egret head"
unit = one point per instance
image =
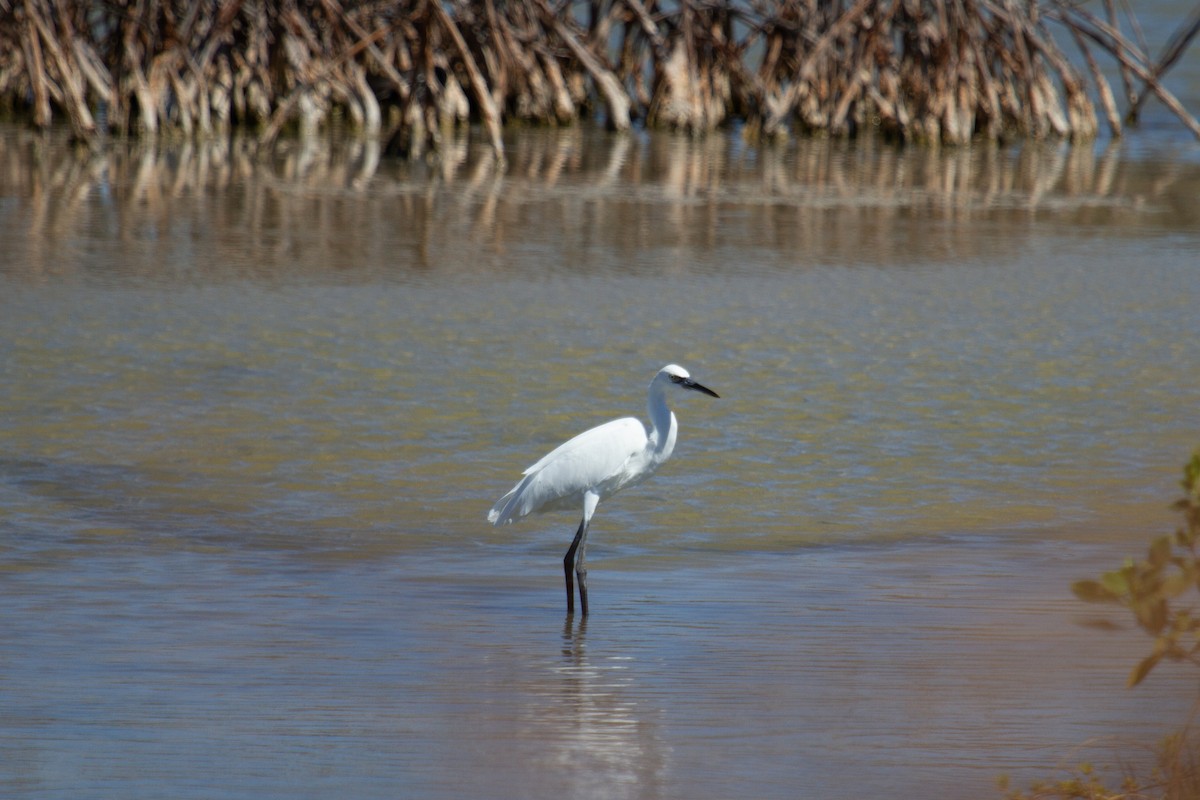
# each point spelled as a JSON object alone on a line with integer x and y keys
{"x": 680, "y": 377}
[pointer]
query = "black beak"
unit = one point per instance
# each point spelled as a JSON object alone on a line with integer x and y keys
{"x": 691, "y": 384}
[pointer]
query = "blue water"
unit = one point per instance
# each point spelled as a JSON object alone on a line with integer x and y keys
{"x": 251, "y": 427}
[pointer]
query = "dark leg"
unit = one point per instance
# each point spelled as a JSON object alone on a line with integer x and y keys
{"x": 569, "y": 570}
{"x": 581, "y": 571}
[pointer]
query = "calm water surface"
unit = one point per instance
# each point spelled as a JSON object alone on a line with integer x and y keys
{"x": 253, "y": 413}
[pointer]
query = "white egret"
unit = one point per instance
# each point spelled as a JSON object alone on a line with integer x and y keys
{"x": 595, "y": 465}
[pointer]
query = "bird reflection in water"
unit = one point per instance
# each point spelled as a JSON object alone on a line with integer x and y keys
{"x": 600, "y": 733}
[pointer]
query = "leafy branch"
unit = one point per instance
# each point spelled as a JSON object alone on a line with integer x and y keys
{"x": 1157, "y": 589}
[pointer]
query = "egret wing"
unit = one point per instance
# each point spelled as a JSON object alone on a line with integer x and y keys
{"x": 595, "y": 459}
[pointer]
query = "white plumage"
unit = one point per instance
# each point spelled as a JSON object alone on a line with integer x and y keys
{"x": 595, "y": 465}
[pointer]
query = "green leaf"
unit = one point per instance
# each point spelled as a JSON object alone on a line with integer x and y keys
{"x": 1143, "y": 668}
{"x": 1152, "y": 615}
{"x": 1117, "y": 581}
{"x": 1092, "y": 592}
{"x": 1191, "y": 474}
{"x": 1160, "y": 551}
{"x": 1177, "y": 583}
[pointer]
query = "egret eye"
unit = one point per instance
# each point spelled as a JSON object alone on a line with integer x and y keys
{"x": 676, "y": 379}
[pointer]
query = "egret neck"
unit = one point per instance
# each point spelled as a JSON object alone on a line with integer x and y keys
{"x": 663, "y": 426}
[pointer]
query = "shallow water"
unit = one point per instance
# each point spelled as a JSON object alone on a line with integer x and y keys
{"x": 253, "y": 414}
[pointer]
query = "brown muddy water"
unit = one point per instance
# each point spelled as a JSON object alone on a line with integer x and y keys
{"x": 253, "y": 413}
